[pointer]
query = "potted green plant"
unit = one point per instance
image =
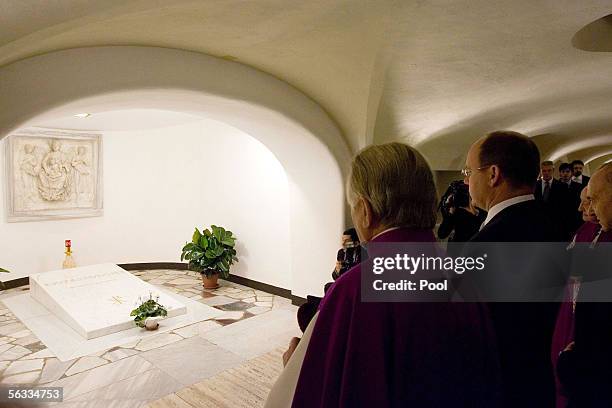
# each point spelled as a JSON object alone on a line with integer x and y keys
{"x": 211, "y": 252}
{"x": 147, "y": 311}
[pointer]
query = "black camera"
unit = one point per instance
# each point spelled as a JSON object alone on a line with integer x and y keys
{"x": 348, "y": 257}
{"x": 457, "y": 195}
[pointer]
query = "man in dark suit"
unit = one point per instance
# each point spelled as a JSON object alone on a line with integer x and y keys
{"x": 574, "y": 189}
{"x": 577, "y": 167}
{"x": 548, "y": 189}
{"x": 558, "y": 200}
{"x": 502, "y": 184}
{"x": 565, "y": 176}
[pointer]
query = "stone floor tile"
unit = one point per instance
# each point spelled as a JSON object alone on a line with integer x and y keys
{"x": 197, "y": 328}
{"x": 192, "y": 360}
{"x": 235, "y": 306}
{"x": 54, "y": 369}
{"x": 18, "y": 367}
{"x": 24, "y": 378}
{"x": 157, "y": 341}
{"x": 256, "y": 310}
{"x": 14, "y": 353}
{"x": 44, "y": 353}
{"x": 84, "y": 364}
{"x": 119, "y": 353}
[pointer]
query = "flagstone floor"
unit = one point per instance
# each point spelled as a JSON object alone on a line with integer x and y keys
{"x": 254, "y": 323}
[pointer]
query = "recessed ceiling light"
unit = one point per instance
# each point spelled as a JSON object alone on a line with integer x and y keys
{"x": 82, "y": 115}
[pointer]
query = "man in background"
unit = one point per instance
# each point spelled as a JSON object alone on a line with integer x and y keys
{"x": 578, "y": 177}
{"x": 557, "y": 199}
{"x": 549, "y": 190}
{"x": 574, "y": 189}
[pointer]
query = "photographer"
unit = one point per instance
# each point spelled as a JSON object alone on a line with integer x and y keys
{"x": 348, "y": 256}
{"x": 460, "y": 219}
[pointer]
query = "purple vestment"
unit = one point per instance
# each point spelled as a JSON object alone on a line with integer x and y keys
{"x": 564, "y": 327}
{"x": 397, "y": 354}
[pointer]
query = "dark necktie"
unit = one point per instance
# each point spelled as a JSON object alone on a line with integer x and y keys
{"x": 546, "y": 191}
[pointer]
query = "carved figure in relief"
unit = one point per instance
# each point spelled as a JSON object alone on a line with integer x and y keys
{"x": 54, "y": 180}
{"x": 82, "y": 179}
{"x": 29, "y": 168}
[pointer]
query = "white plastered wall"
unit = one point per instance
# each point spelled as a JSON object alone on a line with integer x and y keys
{"x": 304, "y": 139}
{"x": 157, "y": 191}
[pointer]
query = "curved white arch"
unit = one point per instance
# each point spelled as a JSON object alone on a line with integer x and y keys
{"x": 569, "y": 148}
{"x": 301, "y": 135}
{"x": 597, "y": 156}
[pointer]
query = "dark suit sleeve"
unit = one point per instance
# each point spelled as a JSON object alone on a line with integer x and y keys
{"x": 537, "y": 190}
{"x": 447, "y": 226}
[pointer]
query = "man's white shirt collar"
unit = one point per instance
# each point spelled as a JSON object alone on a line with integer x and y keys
{"x": 577, "y": 179}
{"x": 499, "y": 207}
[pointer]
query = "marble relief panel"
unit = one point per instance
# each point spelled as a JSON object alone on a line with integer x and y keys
{"x": 53, "y": 174}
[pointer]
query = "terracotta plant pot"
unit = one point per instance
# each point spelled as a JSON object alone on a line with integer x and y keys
{"x": 210, "y": 282}
{"x": 151, "y": 324}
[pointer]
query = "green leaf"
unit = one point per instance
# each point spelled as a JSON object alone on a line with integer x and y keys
{"x": 218, "y": 232}
{"x": 3, "y": 270}
{"x": 227, "y": 242}
{"x": 203, "y": 242}
{"x": 196, "y": 236}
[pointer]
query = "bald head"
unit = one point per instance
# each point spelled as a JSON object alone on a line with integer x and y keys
{"x": 501, "y": 165}
{"x": 600, "y": 195}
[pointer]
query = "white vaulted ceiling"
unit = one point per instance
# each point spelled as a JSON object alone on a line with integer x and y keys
{"x": 437, "y": 74}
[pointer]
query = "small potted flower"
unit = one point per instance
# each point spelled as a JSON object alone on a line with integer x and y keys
{"x": 147, "y": 314}
{"x": 211, "y": 253}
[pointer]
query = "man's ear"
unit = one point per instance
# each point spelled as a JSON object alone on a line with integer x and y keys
{"x": 367, "y": 213}
{"x": 494, "y": 175}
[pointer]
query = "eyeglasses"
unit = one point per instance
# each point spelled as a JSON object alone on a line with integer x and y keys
{"x": 467, "y": 172}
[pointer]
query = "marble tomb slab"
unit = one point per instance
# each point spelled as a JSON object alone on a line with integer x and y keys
{"x": 66, "y": 344}
{"x": 96, "y": 300}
